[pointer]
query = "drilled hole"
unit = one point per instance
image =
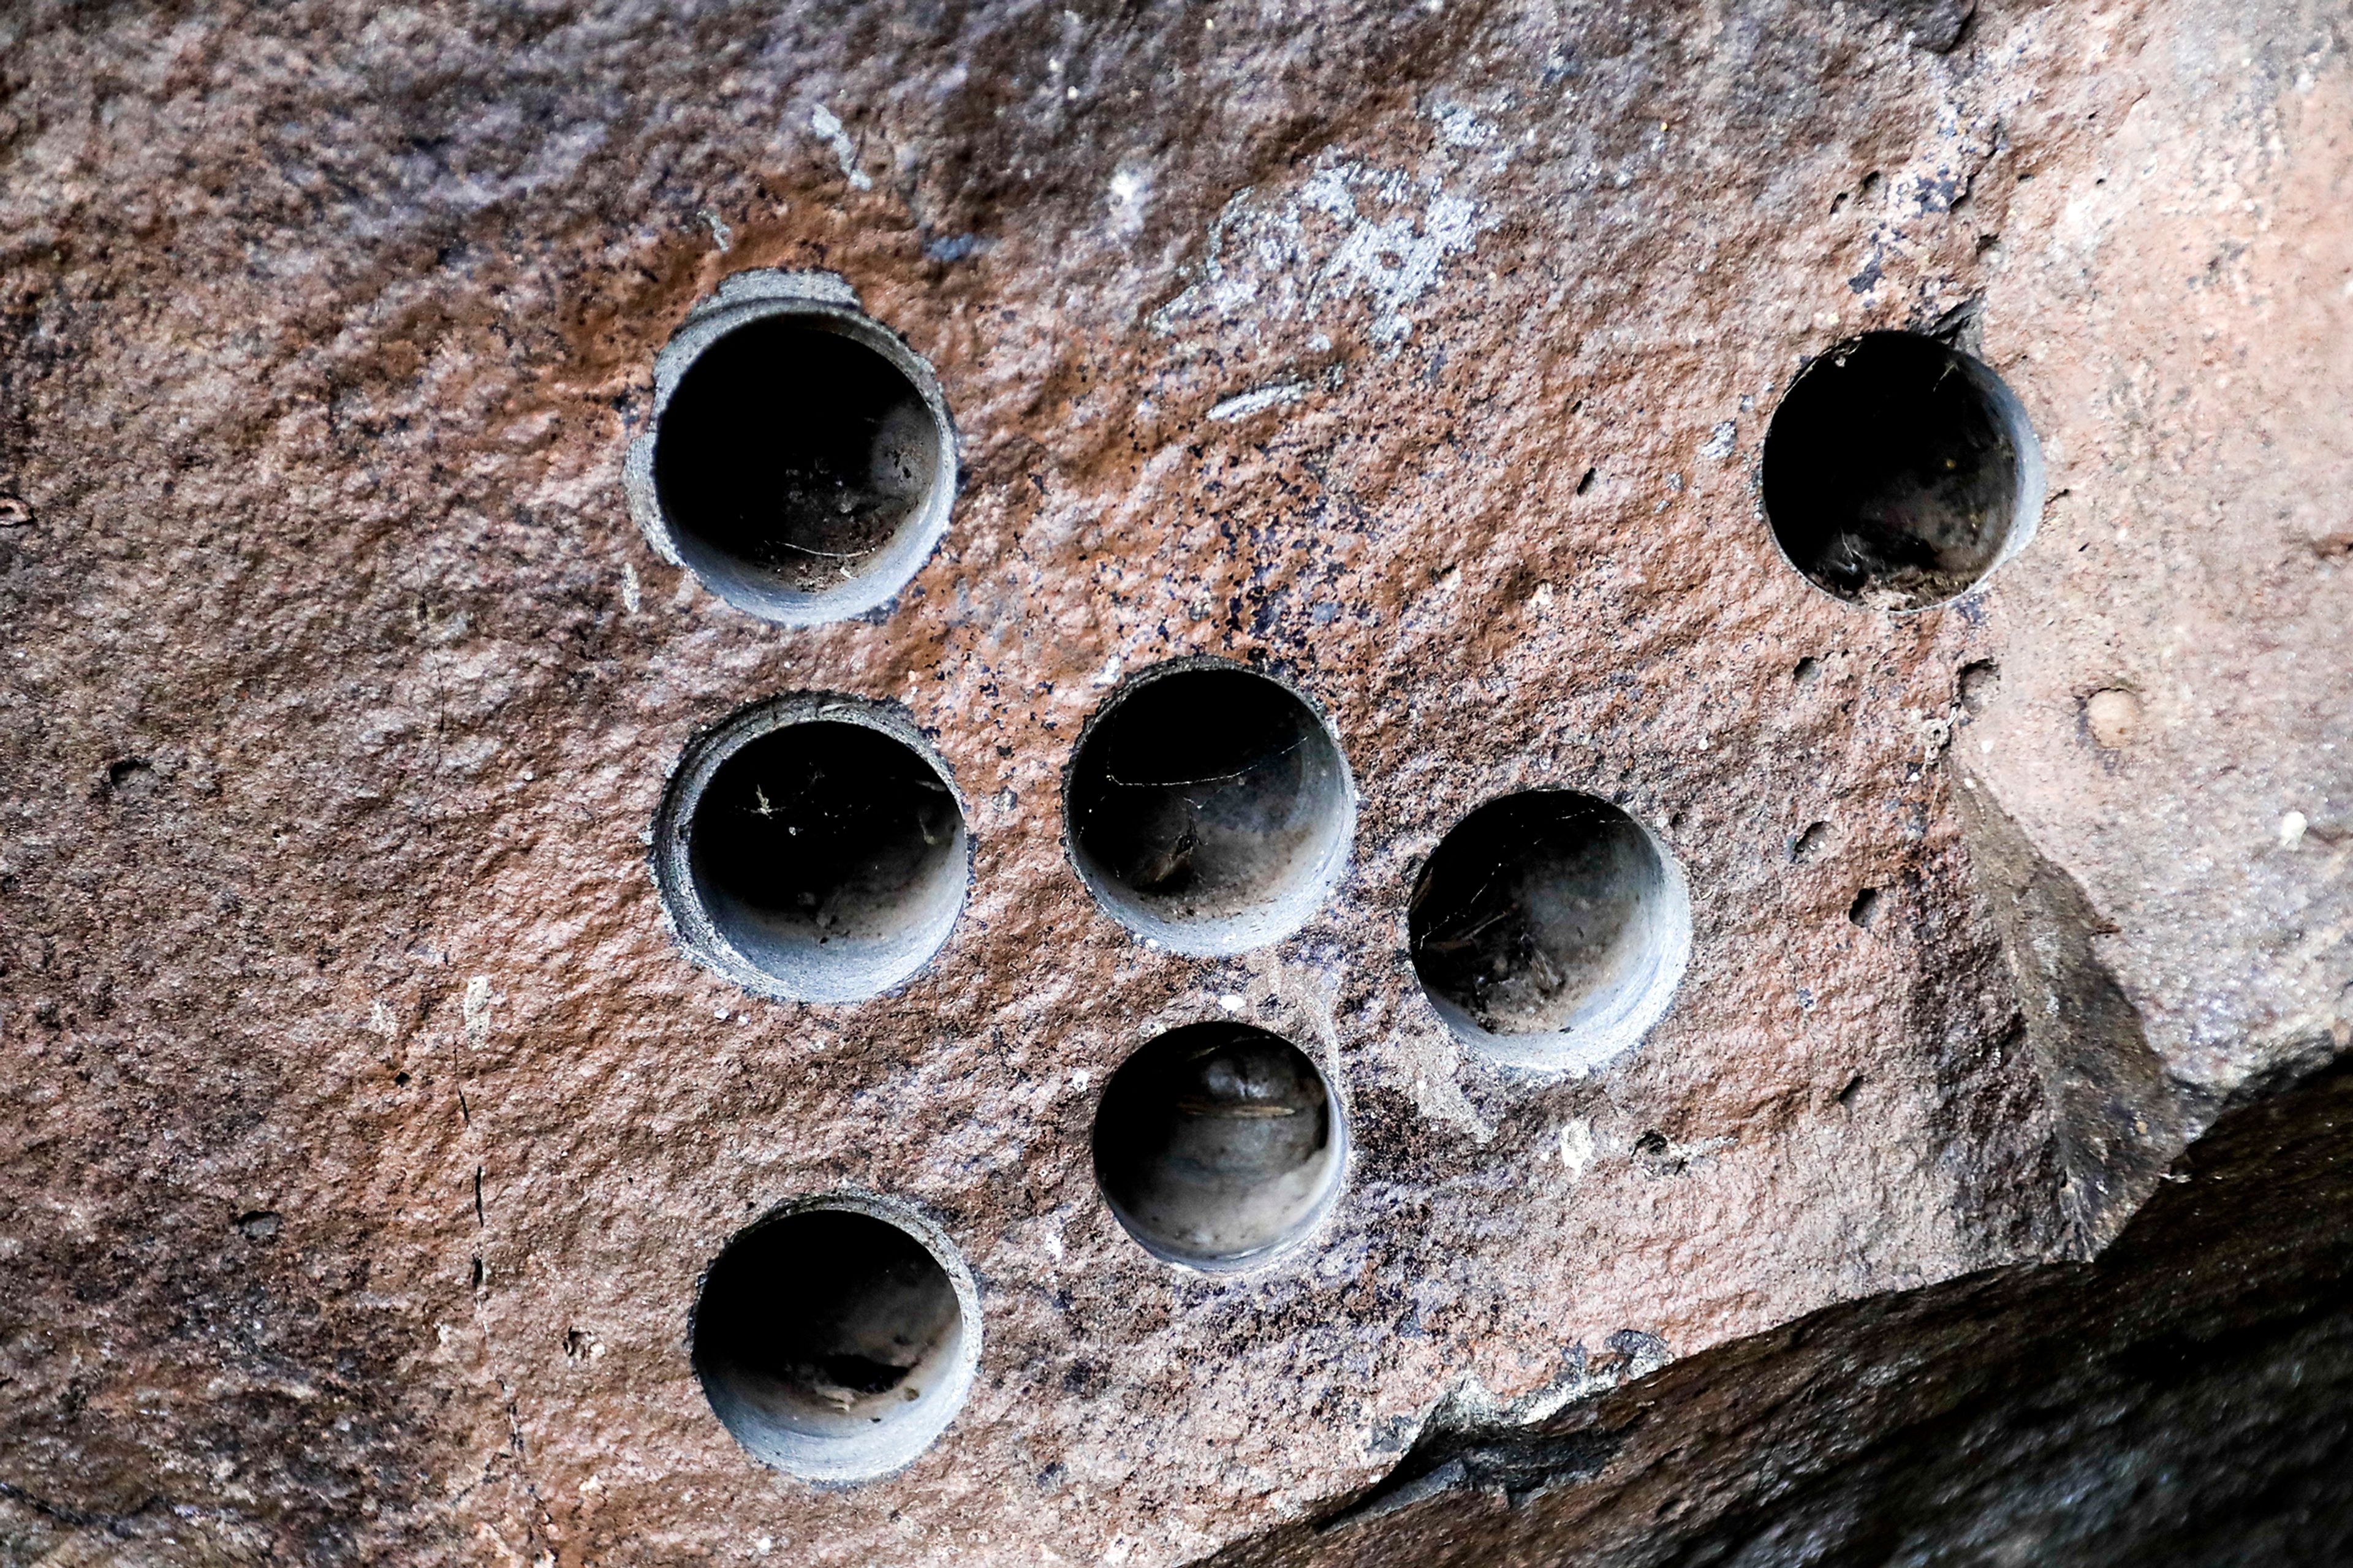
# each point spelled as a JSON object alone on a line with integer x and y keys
{"x": 1210, "y": 807}
{"x": 836, "y": 1340}
{"x": 812, "y": 848}
{"x": 1899, "y": 471}
{"x": 1218, "y": 1143}
{"x": 1550, "y": 928}
{"x": 802, "y": 464}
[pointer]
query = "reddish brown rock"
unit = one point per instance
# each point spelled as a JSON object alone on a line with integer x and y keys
{"x": 368, "y": 1132}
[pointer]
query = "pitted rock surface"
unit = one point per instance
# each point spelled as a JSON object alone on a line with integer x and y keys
{"x": 368, "y": 1132}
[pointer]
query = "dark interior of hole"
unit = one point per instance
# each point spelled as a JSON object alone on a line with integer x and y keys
{"x": 793, "y": 450}
{"x": 1526, "y": 910}
{"x": 1201, "y": 787}
{"x": 1216, "y": 1140}
{"x": 825, "y": 829}
{"x": 1890, "y": 476}
{"x": 832, "y": 1309}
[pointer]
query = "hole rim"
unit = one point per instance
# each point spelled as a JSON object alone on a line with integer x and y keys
{"x": 896, "y": 1443}
{"x": 1632, "y": 1010}
{"x": 700, "y": 934}
{"x": 1295, "y": 1240}
{"x": 1265, "y": 923}
{"x": 2028, "y": 492}
{"x": 823, "y": 301}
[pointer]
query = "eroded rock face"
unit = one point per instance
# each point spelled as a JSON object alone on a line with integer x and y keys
{"x": 370, "y": 1132}
{"x": 2181, "y": 1400}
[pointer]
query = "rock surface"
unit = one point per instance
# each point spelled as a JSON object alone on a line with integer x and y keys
{"x": 367, "y": 1133}
{"x": 2181, "y": 1400}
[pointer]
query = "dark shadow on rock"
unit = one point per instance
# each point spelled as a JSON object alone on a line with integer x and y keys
{"x": 2119, "y": 1121}
{"x": 2184, "y": 1400}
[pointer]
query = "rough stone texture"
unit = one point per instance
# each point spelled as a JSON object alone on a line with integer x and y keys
{"x": 2188, "y": 1398}
{"x": 367, "y": 1134}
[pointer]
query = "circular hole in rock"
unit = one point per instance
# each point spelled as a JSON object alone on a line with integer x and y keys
{"x": 1210, "y": 807}
{"x": 1899, "y": 471}
{"x": 1550, "y": 930}
{"x": 836, "y": 1340}
{"x": 803, "y": 465}
{"x": 1217, "y": 1144}
{"x": 812, "y": 849}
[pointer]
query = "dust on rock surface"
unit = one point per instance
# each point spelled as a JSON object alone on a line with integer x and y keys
{"x": 1423, "y": 357}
